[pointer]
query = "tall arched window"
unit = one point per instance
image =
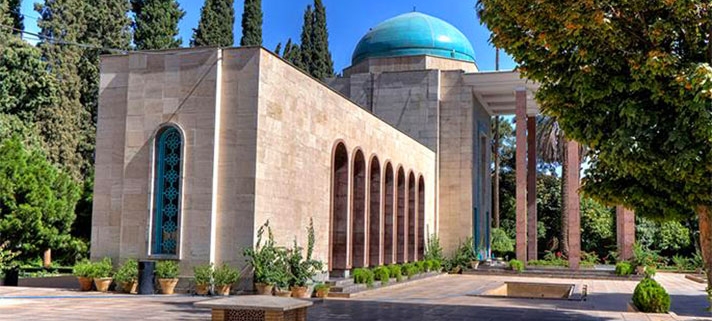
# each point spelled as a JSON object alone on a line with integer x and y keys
{"x": 167, "y": 192}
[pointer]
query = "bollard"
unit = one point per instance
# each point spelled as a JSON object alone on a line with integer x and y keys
{"x": 146, "y": 278}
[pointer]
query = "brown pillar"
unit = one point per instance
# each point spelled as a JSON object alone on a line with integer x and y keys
{"x": 47, "y": 258}
{"x": 573, "y": 205}
{"x": 531, "y": 190}
{"x": 625, "y": 232}
{"x": 521, "y": 163}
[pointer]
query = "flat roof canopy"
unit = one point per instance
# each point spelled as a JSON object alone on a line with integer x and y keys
{"x": 495, "y": 91}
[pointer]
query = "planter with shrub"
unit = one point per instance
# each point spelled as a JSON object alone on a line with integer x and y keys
{"x": 383, "y": 274}
{"x": 127, "y": 276}
{"x": 101, "y": 273}
{"x": 203, "y": 275}
{"x": 322, "y": 290}
{"x": 167, "y": 275}
{"x": 83, "y": 271}
{"x": 516, "y": 265}
{"x": 395, "y": 272}
{"x": 363, "y": 276}
{"x": 624, "y": 269}
{"x": 266, "y": 260}
{"x": 225, "y": 276}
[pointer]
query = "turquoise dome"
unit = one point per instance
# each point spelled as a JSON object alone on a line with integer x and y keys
{"x": 414, "y": 34}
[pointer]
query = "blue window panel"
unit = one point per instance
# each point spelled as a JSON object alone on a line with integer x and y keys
{"x": 167, "y": 191}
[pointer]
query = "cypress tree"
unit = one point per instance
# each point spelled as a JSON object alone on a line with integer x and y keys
{"x": 5, "y": 19}
{"x": 252, "y": 23}
{"x": 18, "y": 20}
{"x": 217, "y": 18}
{"x": 322, "y": 65}
{"x": 156, "y": 24}
{"x": 278, "y": 49}
{"x": 60, "y": 123}
{"x": 292, "y": 53}
{"x": 307, "y": 47}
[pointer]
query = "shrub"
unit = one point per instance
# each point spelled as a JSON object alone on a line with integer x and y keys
{"x": 321, "y": 286}
{"x": 82, "y": 269}
{"x": 642, "y": 256}
{"x": 382, "y": 274}
{"x": 624, "y": 269}
{"x": 649, "y": 271}
{"x": 650, "y": 297}
{"x": 589, "y": 259}
{"x": 516, "y": 265}
{"x": 166, "y": 269}
{"x": 128, "y": 272}
{"x": 464, "y": 254}
{"x": 428, "y": 265}
{"x": 395, "y": 271}
{"x": 226, "y": 275}
{"x": 410, "y": 269}
{"x": 501, "y": 242}
{"x": 433, "y": 250}
{"x": 436, "y": 265}
{"x": 102, "y": 269}
{"x": 681, "y": 263}
{"x": 6, "y": 257}
{"x": 421, "y": 266}
{"x": 363, "y": 276}
{"x": 203, "y": 274}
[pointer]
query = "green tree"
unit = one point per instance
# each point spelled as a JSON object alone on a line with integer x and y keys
{"x": 306, "y": 48}
{"x": 62, "y": 123}
{"x": 252, "y": 23}
{"x": 36, "y": 201}
{"x": 215, "y": 26}
{"x": 597, "y": 227}
{"x": 16, "y": 19}
{"x": 292, "y": 53}
{"x": 632, "y": 81}
{"x": 322, "y": 64}
{"x": 156, "y": 24}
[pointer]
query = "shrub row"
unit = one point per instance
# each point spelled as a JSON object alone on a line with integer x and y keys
{"x": 394, "y": 271}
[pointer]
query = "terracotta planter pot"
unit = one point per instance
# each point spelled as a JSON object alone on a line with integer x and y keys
{"x": 322, "y": 293}
{"x": 84, "y": 283}
{"x": 167, "y": 285}
{"x": 640, "y": 270}
{"x": 102, "y": 284}
{"x": 283, "y": 293}
{"x": 222, "y": 289}
{"x": 202, "y": 289}
{"x": 129, "y": 287}
{"x": 263, "y": 289}
{"x": 300, "y": 292}
{"x": 474, "y": 264}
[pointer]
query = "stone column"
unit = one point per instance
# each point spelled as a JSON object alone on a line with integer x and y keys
{"x": 625, "y": 232}
{"x": 573, "y": 205}
{"x": 531, "y": 190}
{"x": 521, "y": 168}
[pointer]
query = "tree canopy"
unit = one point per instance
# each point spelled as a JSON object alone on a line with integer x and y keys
{"x": 156, "y": 24}
{"x": 217, "y": 18}
{"x": 252, "y": 23}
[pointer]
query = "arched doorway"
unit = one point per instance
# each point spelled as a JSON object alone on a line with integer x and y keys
{"x": 339, "y": 207}
{"x": 421, "y": 218}
{"x": 358, "y": 258}
{"x": 374, "y": 232}
{"x": 411, "y": 217}
{"x": 388, "y": 216}
{"x": 400, "y": 217}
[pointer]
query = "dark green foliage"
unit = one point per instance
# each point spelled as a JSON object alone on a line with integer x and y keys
{"x": 642, "y": 256}
{"x": 624, "y": 269}
{"x": 267, "y": 261}
{"x": 203, "y": 274}
{"x": 307, "y": 47}
{"x": 322, "y": 64}
{"x": 410, "y": 269}
{"x": 36, "y": 201}
{"x": 82, "y": 269}
{"x": 364, "y": 276}
{"x": 501, "y": 242}
{"x": 462, "y": 257}
{"x": 427, "y": 265}
{"x": 395, "y": 272}
{"x": 650, "y": 297}
{"x": 217, "y": 18}
{"x": 551, "y": 259}
{"x": 156, "y": 24}
{"x": 63, "y": 125}
{"x": 383, "y": 274}
{"x": 433, "y": 250}
{"x": 252, "y": 24}
{"x": 436, "y": 266}
{"x": 516, "y": 265}
{"x": 293, "y": 54}
{"x": 278, "y": 49}
{"x": 421, "y": 266}
{"x": 226, "y": 275}
{"x": 17, "y": 20}
{"x": 128, "y": 272}
{"x": 589, "y": 259}
{"x": 102, "y": 269}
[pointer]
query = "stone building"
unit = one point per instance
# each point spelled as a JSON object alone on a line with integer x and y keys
{"x": 196, "y": 148}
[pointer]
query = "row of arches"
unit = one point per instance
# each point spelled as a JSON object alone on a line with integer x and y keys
{"x": 377, "y": 212}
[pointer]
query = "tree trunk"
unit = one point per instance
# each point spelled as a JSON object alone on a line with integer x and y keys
{"x": 564, "y": 238}
{"x": 495, "y": 187}
{"x": 704, "y": 213}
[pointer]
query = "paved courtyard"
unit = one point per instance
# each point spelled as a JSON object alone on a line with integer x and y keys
{"x": 440, "y": 298}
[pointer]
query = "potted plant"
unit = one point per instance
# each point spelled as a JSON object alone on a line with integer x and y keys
{"x": 167, "y": 275}
{"x": 127, "y": 276}
{"x": 83, "y": 271}
{"x": 303, "y": 269}
{"x": 203, "y": 275}
{"x": 322, "y": 290}
{"x": 264, "y": 260}
{"x": 102, "y": 273}
{"x": 225, "y": 277}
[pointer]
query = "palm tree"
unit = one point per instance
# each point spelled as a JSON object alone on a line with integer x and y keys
{"x": 552, "y": 148}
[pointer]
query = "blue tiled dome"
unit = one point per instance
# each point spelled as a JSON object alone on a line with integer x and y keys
{"x": 414, "y": 34}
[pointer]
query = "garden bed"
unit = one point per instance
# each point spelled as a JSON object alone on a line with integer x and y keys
{"x": 346, "y": 288}
{"x": 554, "y": 272}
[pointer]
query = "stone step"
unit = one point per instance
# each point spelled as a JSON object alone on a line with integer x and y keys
{"x": 340, "y": 282}
{"x": 353, "y": 289}
{"x": 349, "y": 288}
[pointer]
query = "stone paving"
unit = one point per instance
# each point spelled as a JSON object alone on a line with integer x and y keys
{"x": 440, "y": 298}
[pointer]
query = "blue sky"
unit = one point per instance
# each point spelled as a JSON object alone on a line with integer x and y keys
{"x": 347, "y": 21}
